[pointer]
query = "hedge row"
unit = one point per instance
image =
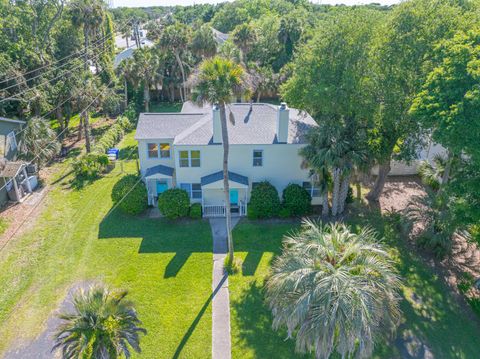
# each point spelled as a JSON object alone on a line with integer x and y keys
{"x": 113, "y": 135}
{"x": 91, "y": 165}
{"x": 265, "y": 202}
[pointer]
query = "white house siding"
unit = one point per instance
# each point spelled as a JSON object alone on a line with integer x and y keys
{"x": 401, "y": 168}
{"x": 281, "y": 164}
{"x": 146, "y": 162}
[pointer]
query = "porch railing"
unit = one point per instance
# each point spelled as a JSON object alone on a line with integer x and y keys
{"x": 214, "y": 210}
{"x": 219, "y": 210}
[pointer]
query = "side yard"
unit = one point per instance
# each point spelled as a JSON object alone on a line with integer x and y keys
{"x": 434, "y": 324}
{"x": 167, "y": 267}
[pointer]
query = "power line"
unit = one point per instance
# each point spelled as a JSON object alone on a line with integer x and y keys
{"x": 83, "y": 51}
{"x": 14, "y": 97}
{"x": 66, "y": 128}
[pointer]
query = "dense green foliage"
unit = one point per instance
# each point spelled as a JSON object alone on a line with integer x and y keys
{"x": 130, "y": 194}
{"x": 90, "y": 166}
{"x": 113, "y": 135}
{"x": 296, "y": 200}
{"x": 195, "y": 211}
{"x": 264, "y": 201}
{"x": 90, "y": 330}
{"x": 174, "y": 203}
{"x": 320, "y": 260}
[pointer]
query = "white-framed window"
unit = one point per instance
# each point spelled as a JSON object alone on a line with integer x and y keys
{"x": 255, "y": 184}
{"x": 313, "y": 189}
{"x": 194, "y": 190}
{"x": 158, "y": 150}
{"x": 257, "y": 158}
{"x": 165, "y": 150}
{"x": 152, "y": 149}
{"x": 189, "y": 158}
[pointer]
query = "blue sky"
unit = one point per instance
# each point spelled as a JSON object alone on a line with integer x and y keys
{"x": 139, "y": 3}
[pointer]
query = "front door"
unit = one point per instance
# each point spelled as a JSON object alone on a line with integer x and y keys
{"x": 234, "y": 197}
{"x": 162, "y": 186}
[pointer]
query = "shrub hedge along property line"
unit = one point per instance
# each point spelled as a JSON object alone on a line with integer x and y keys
{"x": 174, "y": 203}
{"x": 135, "y": 201}
{"x": 264, "y": 201}
{"x": 91, "y": 165}
{"x": 296, "y": 200}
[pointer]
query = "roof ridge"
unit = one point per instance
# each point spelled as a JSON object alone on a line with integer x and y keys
{"x": 172, "y": 113}
{"x": 189, "y": 130}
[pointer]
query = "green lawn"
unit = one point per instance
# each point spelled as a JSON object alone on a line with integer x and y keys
{"x": 166, "y": 106}
{"x": 430, "y": 312}
{"x": 167, "y": 267}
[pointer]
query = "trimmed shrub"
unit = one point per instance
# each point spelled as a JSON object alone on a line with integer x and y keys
{"x": 284, "y": 213}
{"x": 196, "y": 211}
{"x": 297, "y": 200}
{"x": 264, "y": 201}
{"x": 130, "y": 194}
{"x": 174, "y": 203}
{"x": 90, "y": 166}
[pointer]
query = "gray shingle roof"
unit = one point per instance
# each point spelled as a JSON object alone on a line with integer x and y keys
{"x": 164, "y": 125}
{"x": 217, "y": 176}
{"x": 193, "y": 126}
{"x": 160, "y": 169}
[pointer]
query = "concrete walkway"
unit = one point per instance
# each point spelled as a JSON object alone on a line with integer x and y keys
{"x": 221, "y": 343}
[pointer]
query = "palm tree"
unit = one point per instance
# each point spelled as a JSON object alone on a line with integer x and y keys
{"x": 335, "y": 148}
{"x": 39, "y": 142}
{"x": 175, "y": 38}
{"x": 334, "y": 290}
{"x": 86, "y": 97}
{"x": 103, "y": 325}
{"x": 90, "y": 15}
{"x": 144, "y": 69}
{"x": 244, "y": 36}
{"x": 217, "y": 81}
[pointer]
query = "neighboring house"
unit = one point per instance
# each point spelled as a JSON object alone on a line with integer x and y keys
{"x": 185, "y": 150}
{"x": 424, "y": 153}
{"x": 220, "y": 37}
{"x": 128, "y": 52}
{"x": 9, "y": 138}
{"x": 9, "y": 141}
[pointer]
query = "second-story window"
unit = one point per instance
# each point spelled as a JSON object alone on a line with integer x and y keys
{"x": 195, "y": 158}
{"x": 257, "y": 158}
{"x": 189, "y": 158}
{"x": 152, "y": 150}
{"x": 165, "y": 150}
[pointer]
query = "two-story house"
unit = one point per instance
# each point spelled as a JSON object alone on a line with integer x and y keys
{"x": 185, "y": 150}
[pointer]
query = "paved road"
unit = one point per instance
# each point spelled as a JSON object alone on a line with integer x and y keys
{"x": 221, "y": 343}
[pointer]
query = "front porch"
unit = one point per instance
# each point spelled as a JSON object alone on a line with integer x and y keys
{"x": 213, "y": 195}
{"x": 220, "y": 210}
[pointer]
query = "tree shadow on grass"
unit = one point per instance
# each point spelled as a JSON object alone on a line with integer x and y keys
{"x": 180, "y": 238}
{"x": 199, "y": 316}
{"x": 254, "y": 326}
{"x": 433, "y": 319}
